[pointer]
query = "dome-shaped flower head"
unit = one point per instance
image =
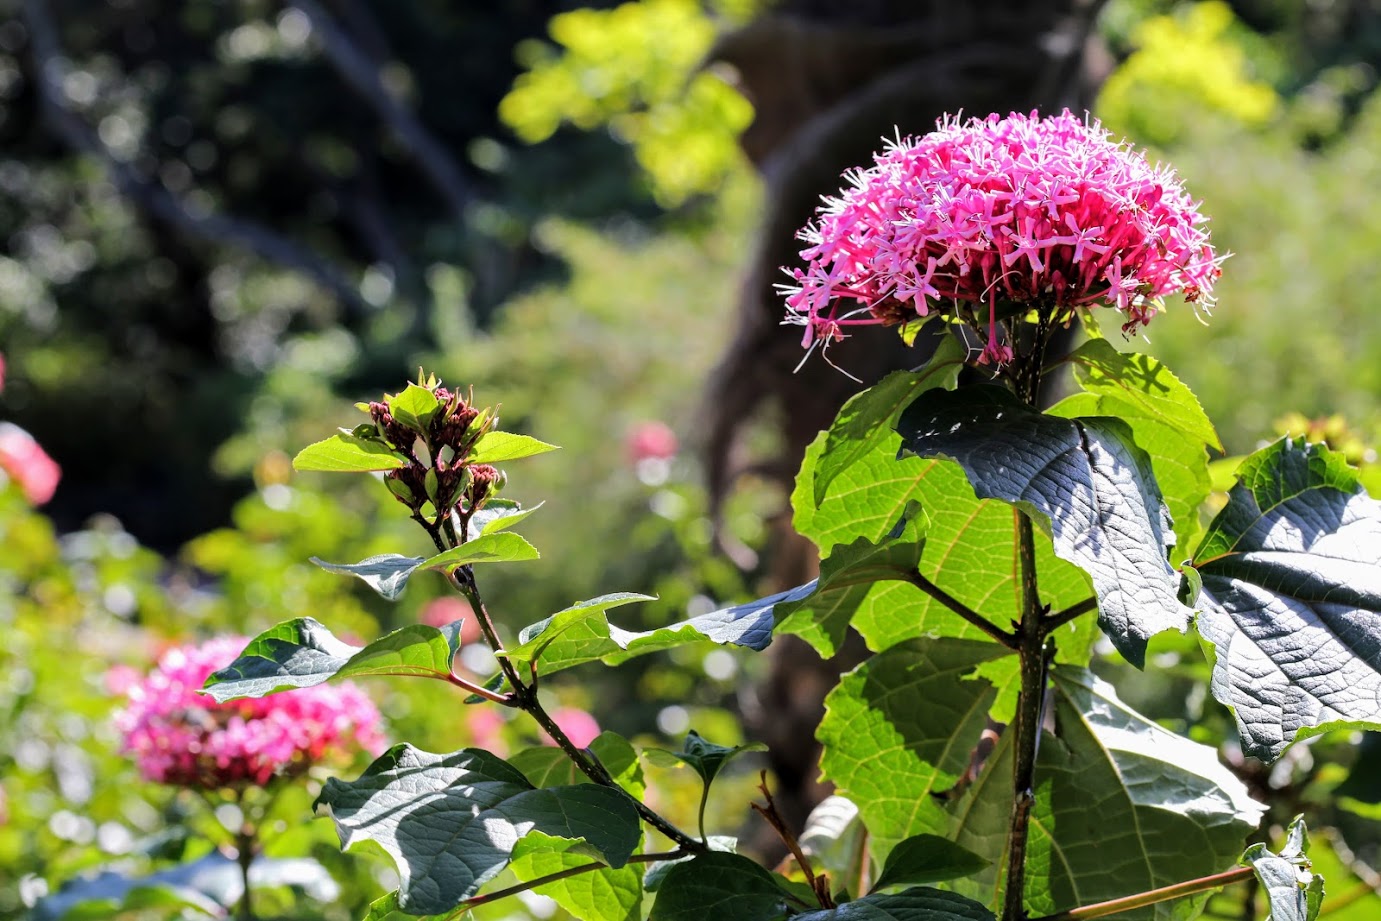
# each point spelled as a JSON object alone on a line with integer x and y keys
{"x": 181, "y": 737}
{"x": 1049, "y": 213}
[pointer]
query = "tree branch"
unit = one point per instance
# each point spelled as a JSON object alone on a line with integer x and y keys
{"x": 363, "y": 77}
{"x": 151, "y": 196}
{"x": 1060, "y": 618}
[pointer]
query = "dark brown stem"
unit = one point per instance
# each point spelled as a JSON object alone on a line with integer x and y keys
{"x": 1060, "y": 618}
{"x": 524, "y": 696}
{"x": 1031, "y": 649}
{"x": 820, "y": 885}
{"x": 1142, "y": 899}
{"x": 958, "y": 607}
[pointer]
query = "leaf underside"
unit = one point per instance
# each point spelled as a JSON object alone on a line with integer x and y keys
{"x": 1291, "y": 598}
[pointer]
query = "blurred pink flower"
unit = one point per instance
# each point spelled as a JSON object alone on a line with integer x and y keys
{"x": 486, "y": 729}
{"x": 1017, "y": 209}
{"x": 28, "y": 464}
{"x": 651, "y": 441}
{"x": 447, "y": 609}
{"x": 579, "y": 726}
{"x": 181, "y": 737}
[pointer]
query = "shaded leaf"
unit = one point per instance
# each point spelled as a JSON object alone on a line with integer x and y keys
{"x": 898, "y": 731}
{"x": 1122, "y": 805}
{"x": 599, "y": 895}
{"x": 386, "y": 573}
{"x": 1291, "y": 598}
{"x": 656, "y": 872}
{"x": 451, "y": 822}
{"x": 704, "y": 757}
{"x": 927, "y": 858}
{"x": 1293, "y": 892}
{"x": 347, "y": 454}
{"x": 910, "y": 905}
{"x": 497, "y": 447}
{"x": 302, "y": 653}
{"x": 834, "y": 838}
{"x": 1084, "y": 480}
{"x": 723, "y": 885}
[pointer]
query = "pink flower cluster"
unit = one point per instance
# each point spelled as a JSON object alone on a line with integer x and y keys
{"x": 181, "y": 737}
{"x": 1019, "y": 209}
{"x": 25, "y": 462}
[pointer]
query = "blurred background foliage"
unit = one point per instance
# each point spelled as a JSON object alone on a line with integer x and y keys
{"x": 221, "y": 223}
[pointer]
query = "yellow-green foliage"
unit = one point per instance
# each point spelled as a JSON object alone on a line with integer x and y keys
{"x": 636, "y": 70}
{"x": 1187, "y": 65}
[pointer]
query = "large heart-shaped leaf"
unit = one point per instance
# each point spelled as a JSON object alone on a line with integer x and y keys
{"x": 1122, "y": 805}
{"x": 1085, "y": 480}
{"x": 898, "y": 730}
{"x": 969, "y": 552}
{"x": 1291, "y": 598}
{"x": 866, "y": 421}
{"x": 302, "y": 653}
{"x": 723, "y": 885}
{"x": 451, "y": 822}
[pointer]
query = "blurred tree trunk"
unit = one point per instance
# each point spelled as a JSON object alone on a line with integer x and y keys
{"x": 828, "y": 81}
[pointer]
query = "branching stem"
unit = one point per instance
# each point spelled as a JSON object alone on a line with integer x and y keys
{"x": 958, "y": 607}
{"x": 1060, "y": 618}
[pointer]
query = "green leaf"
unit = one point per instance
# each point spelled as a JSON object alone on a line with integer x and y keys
{"x": 302, "y": 653}
{"x": 497, "y": 447}
{"x": 386, "y": 573}
{"x": 582, "y": 633}
{"x": 970, "y": 552}
{"x": 656, "y": 872}
{"x": 1294, "y": 893}
{"x": 866, "y": 421}
{"x": 386, "y": 908}
{"x": 706, "y": 758}
{"x": 1122, "y": 806}
{"x": 927, "y": 859}
{"x": 723, "y": 885}
{"x": 414, "y": 407}
{"x": 847, "y": 575}
{"x": 548, "y": 765}
{"x": 498, "y": 515}
{"x": 1083, "y": 480}
{"x": 909, "y": 905}
{"x": 347, "y": 454}
{"x": 599, "y": 895}
{"x": 898, "y": 730}
{"x": 451, "y": 822}
{"x": 494, "y": 547}
{"x": 1142, "y": 384}
{"x": 1291, "y": 598}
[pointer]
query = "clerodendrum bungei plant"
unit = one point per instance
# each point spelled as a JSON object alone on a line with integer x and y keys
{"x": 976, "y": 541}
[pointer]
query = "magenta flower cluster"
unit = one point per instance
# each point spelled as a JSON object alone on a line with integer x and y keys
{"x": 181, "y": 737}
{"x": 1020, "y": 209}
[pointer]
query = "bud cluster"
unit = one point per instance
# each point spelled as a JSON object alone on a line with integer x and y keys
{"x": 442, "y": 475}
